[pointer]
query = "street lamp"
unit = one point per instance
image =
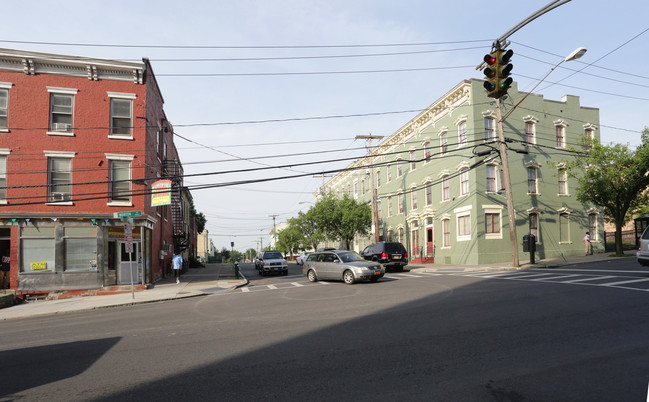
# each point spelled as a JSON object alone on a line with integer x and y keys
{"x": 577, "y": 53}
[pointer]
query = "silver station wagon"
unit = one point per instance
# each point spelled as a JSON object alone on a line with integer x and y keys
{"x": 343, "y": 265}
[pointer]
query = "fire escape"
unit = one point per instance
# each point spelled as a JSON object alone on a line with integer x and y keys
{"x": 173, "y": 171}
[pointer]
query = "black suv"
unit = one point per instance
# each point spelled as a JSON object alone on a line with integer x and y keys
{"x": 390, "y": 255}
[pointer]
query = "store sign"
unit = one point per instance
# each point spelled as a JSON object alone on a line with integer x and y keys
{"x": 161, "y": 193}
{"x": 38, "y": 266}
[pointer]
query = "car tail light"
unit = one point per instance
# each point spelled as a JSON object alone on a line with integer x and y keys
{"x": 384, "y": 255}
{"x": 405, "y": 255}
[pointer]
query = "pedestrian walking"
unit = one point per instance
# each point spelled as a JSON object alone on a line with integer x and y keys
{"x": 587, "y": 245}
{"x": 177, "y": 265}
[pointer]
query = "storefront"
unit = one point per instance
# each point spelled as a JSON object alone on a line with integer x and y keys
{"x": 59, "y": 254}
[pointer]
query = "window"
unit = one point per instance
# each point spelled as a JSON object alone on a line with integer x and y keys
{"x": 400, "y": 202}
{"x": 388, "y": 171}
{"x": 446, "y": 233}
{"x": 426, "y": 151}
{"x": 37, "y": 249}
{"x": 378, "y": 178}
{"x": 589, "y": 135}
{"x": 363, "y": 187}
{"x": 531, "y": 180}
{"x": 530, "y": 129}
{"x": 61, "y": 107}
{"x": 489, "y": 132}
{"x": 80, "y": 248}
{"x": 446, "y": 191}
{"x": 563, "y": 182}
{"x": 120, "y": 181}
{"x": 389, "y": 207}
{"x": 443, "y": 143}
{"x": 399, "y": 168}
{"x": 463, "y": 221}
{"x": 561, "y": 133}
{"x": 592, "y": 226}
{"x": 464, "y": 182}
{"x": 121, "y": 116}
{"x": 401, "y": 239}
{"x": 534, "y": 226}
{"x": 355, "y": 189}
{"x": 413, "y": 162}
{"x": 462, "y": 137}
{"x": 59, "y": 179}
{"x": 564, "y": 228}
{"x": 413, "y": 197}
{"x": 3, "y": 178}
{"x": 492, "y": 181}
{"x": 492, "y": 223}
{"x": 61, "y": 110}
{"x": 429, "y": 194}
{"x": 4, "y": 106}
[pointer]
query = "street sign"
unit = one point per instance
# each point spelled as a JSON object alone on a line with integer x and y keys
{"x": 128, "y": 238}
{"x": 128, "y": 213}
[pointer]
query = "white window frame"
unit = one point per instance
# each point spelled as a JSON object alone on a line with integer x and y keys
{"x": 465, "y": 187}
{"x": 4, "y": 156}
{"x": 122, "y": 96}
{"x": 495, "y": 210}
{"x": 489, "y": 126}
{"x": 58, "y": 155}
{"x": 530, "y": 135}
{"x": 412, "y": 157}
{"x": 4, "y": 106}
{"x": 119, "y": 158}
{"x": 446, "y": 231}
{"x": 494, "y": 180}
{"x": 413, "y": 198}
{"x": 400, "y": 207}
{"x": 68, "y": 130}
{"x": 462, "y": 131}
{"x": 389, "y": 207}
{"x": 428, "y": 191}
{"x": 561, "y": 133}
{"x": 593, "y": 228}
{"x": 463, "y": 223}
{"x": 443, "y": 140}
{"x": 562, "y": 176}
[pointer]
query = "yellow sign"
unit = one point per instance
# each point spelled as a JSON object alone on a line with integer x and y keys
{"x": 161, "y": 193}
{"x": 37, "y": 266}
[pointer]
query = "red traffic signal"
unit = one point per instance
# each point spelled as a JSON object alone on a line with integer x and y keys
{"x": 497, "y": 73}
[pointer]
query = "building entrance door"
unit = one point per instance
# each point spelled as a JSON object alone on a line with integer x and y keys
{"x": 125, "y": 266}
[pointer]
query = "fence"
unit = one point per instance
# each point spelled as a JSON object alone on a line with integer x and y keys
{"x": 628, "y": 240}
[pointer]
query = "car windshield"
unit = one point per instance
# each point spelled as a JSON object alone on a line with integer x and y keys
{"x": 273, "y": 255}
{"x": 350, "y": 256}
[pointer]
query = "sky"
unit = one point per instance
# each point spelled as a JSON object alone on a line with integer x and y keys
{"x": 252, "y": 85}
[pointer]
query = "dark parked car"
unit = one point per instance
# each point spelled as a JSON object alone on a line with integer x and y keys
{"x": 390, "y": 255}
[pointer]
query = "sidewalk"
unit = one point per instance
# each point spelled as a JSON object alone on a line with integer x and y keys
{"x": 196, "y": 282}
{"x": 220, "y": 277}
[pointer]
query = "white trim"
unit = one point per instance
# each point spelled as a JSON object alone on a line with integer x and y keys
{"x": 66, "y": 91}
{"x": 120, "y": 157}
{"x": 59, "y": 154}
{"x": 5, "y": 151}
{"x": 122, "y": 95}
{"x": 462, "y": 209}
{"x": 6, "y": 85}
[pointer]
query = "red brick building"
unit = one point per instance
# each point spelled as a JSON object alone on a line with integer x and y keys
{"x": 82, "y": 140}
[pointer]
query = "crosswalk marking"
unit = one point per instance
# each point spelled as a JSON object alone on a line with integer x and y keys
{"x": 296, "y": 284}
{"x": 589, "y": 279}
{"x": 629, "y": 281}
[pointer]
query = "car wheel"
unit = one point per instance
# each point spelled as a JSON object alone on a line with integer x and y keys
{"x": 285, "y": 273}
{"x": 311, "y": 275}
{"x": 348, "y": 277}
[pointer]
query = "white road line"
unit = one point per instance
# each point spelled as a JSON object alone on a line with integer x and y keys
{"x": 554, "y": 278}
{"x": 590, "y": 279}
{"x": 409, "y": 275}
{"x": 296, "y": 284}
{"x": 245, "y": 289}
{"x": 625, "y": 282}
{"x": 271, "y": 286}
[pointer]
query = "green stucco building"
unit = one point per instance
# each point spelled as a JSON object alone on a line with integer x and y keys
{"x": 439, "y": 179}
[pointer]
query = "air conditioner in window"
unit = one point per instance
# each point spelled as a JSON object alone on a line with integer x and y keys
{"x": 61, "y": 127}
{"x": 55, "y": 197}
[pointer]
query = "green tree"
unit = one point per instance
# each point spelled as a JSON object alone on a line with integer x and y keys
{"x": 613, "y": 177}
{"x": 342, "y": 218}
{"x": 289, "y": 240}
{"x": 250, "y": 253}
{"x": 306, "y": 224}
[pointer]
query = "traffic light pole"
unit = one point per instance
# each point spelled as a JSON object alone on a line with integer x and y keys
{"x": 511, "y": 212}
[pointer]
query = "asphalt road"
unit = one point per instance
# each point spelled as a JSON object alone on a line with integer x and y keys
{"x": 509, "y": 336}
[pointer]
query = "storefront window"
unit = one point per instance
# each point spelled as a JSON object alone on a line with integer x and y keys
{"x": 80, "y": 249}
{"x": 37, "y": 249}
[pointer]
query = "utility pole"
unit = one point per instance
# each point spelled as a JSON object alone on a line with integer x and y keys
{"x": 375, "y": 209}
{"x": 511, "y": 212}
{"x": 274, "y": 229}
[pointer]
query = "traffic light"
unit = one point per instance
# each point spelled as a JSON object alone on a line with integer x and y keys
{"x": 505, "y": 81}
{"x": 490, "y": 73}
{"x": 497, "y": 73}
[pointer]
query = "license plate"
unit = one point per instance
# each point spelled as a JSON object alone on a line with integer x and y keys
{"x": 377, "y": 272}
{"x": 396, "y": 257}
